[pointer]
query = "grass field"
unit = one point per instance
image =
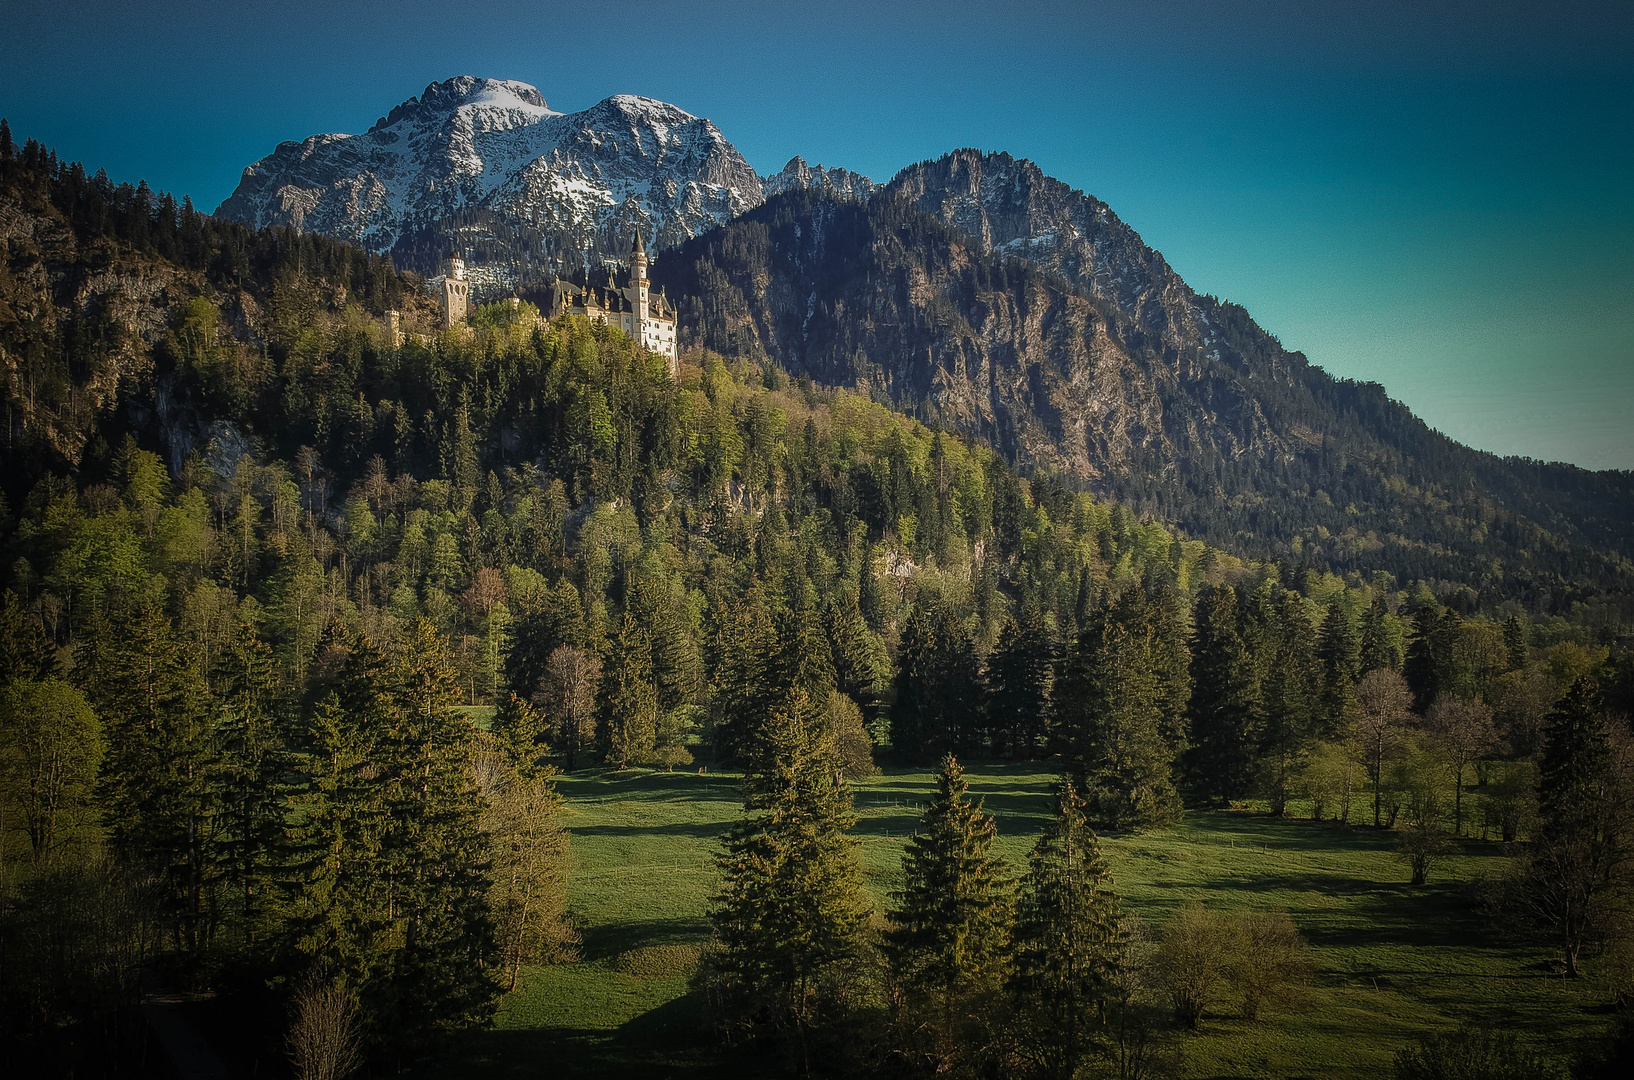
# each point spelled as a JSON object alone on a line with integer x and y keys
{"x": 1393, "y": 962}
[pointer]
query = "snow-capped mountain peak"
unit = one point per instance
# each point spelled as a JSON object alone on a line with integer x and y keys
{"x": 487, "y": 166}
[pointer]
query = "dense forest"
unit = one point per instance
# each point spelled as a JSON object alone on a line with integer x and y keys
{"x": 266, "y": 567}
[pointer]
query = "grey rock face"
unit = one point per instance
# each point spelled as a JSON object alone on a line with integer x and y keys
{"x": 486, "y": 166}
{"x": 835, "y": 182}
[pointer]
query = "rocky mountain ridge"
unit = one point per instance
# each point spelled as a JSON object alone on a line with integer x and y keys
{"x": 485, "y": 165}
{"x": 832, "y": 181}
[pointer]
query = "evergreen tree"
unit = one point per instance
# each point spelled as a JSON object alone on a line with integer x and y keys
{"x": 790, "y": 906}
{"x": 939, "y": 691}
{"x": 1066, "y": 927}
{"x": 1291, "y": 693}
{"x": 1224, "y": 707}
{"x": 1120, "y": 734}
{"x": 254, "y": 762}
{"x": 519, "y": 730}
{"x": 1020, "y": 682}
{"x": 949, "y": 940}
{"x": 1516, "y": 651}
{"x": 1375, "y": 651}
{"x": 435, "y": 856}
{"x": 163, "y": 802}
{"x": 1336, "y": 651}
{"x": 393, "y": 887}
{"x": 861, "y": 666}
{"x": 1579, "y": 865}
{"x": 629, "y": 700}
{"x": 746, "y": 680}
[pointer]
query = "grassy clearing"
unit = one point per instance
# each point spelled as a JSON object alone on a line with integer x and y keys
{"x": 1394, "y": 962}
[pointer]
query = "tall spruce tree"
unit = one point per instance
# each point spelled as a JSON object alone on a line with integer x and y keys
{"x": 437, "y": 855}
{"x": 1580, "y": 862}
{"x": 790, "y": 906}
{"x": 1066, "y": 929}
{"x": 1020, "y": 681}
{"x": 1224, "y": 706}
{"x": 1117, "y": 715}
{"x": 253, "y": 731}
{"x": 160, "y": 773}
{"x": 629, "y": 700}
{"x": 938, "y": 703}
{"x": 949, "y": 940}
{"x": 392, "y": 891}
{"x": 1291, "y": 694}
{"x": 1375, "y": 651}
{"x": 1336, "y": 650}
{"x": 747, "y": 674}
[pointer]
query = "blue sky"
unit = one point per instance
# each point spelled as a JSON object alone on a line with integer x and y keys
{"x": 1435, "y": 196}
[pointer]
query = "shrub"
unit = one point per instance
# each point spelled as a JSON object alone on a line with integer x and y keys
{"x": 1474, "y": 1053}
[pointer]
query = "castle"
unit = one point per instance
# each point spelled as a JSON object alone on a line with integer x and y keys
{"x": 646, "y": 317}
{"x": 456, "y": 292}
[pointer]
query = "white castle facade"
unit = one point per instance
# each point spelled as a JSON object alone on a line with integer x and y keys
{"x": 647, "y": 317}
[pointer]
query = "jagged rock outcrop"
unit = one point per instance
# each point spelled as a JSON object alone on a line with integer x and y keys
{"x": 486, "y": 166}
{"x": 836, "y": 182}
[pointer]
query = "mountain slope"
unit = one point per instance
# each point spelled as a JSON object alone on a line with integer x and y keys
{"x": 1106, "y": 367}
{"x": 487, "y": 165}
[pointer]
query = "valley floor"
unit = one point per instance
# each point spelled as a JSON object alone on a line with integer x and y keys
{"x": 1393, "y": 962}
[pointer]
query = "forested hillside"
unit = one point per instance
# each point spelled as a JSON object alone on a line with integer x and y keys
{"x": 1004, "y": 306}
{"x": 262, "y": 561}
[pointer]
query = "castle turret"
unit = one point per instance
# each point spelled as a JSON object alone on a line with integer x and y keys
{"x": 456, "y": 291}
{"x": 638, "y": 281}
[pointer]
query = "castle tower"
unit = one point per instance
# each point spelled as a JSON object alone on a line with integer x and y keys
{"x": 456, "y": 291}
{"x": 638, "y": 281}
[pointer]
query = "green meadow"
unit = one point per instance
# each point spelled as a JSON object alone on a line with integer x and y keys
{"x": 1393, "y": 962}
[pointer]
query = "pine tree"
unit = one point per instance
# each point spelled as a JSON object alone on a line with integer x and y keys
{"x": 1224, "y": 707}
{"x": 949, "y": 941}
{"x": 392, "y": 886}
{"x": 1376, "y": 652}
{"x": 629, "y": 699}
{"x": 434, "y": 854}
{"x": 1336, "y": 650}
{"x": 745, "y": 681}
{"x": 163, "y": 803}
{"x": 790, "y": 907}
{"x": 939, "y": 694}
{"x": 1066, "y": 927}
{"x": 1579, "y": 862}
{"x": 1116, "y": 715}
{"x": 1020, "y": 682}
{"x": 1291, "y": 693}
{"x": 519, "y": 730}
{"x": 254, "y": 762}
{"x": 861, "y": 667}
{"x": 1516, "y": 650}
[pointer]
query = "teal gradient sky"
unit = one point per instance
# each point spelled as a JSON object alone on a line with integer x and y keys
{"x": 1435, "y": 196}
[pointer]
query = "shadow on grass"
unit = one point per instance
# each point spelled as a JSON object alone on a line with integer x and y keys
{"x": 610, "y": 939}
{"x": 707, "y": 830}
{"x": 671, "y": 1041}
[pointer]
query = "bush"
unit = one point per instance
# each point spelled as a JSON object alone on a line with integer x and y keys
{"x": 1474, "y": 1053}
{"x": 1191, "y": 960}
{"x": 1269, "y": 961}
